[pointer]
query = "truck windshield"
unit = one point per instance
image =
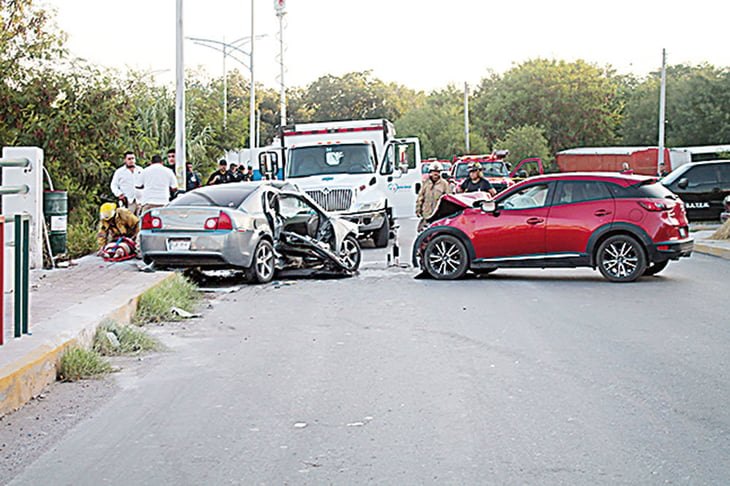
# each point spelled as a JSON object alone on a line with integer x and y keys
{"x": 330, "y": 159}
{"x": 489, "y": 169}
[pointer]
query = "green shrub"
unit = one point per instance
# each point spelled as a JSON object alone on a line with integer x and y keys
{"x": 155, "y": 304}
{"x": 129, "y": 340}
{"x": 80, "y": 364}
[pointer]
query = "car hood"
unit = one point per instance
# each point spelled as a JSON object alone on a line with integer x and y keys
{"x": 453, "y": 203}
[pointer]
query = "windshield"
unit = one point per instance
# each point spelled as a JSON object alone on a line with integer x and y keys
{"x": 489, "y": 169}
{"x": 330, "y": 159}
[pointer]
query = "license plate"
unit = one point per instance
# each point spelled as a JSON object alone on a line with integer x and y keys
{"x": 178, "y": 244}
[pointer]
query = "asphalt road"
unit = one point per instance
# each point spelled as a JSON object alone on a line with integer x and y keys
{"x": 525, "y": 377}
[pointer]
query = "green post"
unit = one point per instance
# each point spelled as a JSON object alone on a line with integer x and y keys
{"x": 26, "y": 272}
{"x": 18, "y": 275}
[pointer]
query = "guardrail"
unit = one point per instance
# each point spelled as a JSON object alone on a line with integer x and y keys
{"x": 21, "y": 308}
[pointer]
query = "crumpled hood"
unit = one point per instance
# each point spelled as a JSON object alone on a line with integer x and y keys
{"x": 453, "y": 203}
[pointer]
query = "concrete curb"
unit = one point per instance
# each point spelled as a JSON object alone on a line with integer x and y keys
{"x": 713, "y": 250}
{"x": 38, "y": 355}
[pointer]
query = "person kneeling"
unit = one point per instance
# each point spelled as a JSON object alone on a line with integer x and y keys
{"x": 118, "y": 228}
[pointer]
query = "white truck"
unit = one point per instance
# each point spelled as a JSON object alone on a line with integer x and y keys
{"x": 356, "y": 169}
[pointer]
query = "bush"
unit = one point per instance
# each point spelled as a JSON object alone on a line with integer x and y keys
{"x": 155, "y": 304}
{"x": 127, "y": 340}
{"x": 80, "y": 364}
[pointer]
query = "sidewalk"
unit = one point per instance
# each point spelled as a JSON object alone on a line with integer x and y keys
{"x": 66, "y": 306}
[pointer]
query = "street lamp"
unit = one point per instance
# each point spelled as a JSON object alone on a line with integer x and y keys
{"x": 229, "y": 50}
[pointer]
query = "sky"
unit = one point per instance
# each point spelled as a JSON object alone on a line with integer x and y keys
{"x": 423, "y": 45}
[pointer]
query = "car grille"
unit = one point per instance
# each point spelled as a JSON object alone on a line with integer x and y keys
{"x": 332, "y": 200}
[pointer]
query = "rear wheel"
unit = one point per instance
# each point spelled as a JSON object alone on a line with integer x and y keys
{"x": 381, "y": 236}
{"x": 655, "y": 268}
{"x": 445, "y": 258}
{"x": 621, "y": 259}
{"x": 263, "y": 263}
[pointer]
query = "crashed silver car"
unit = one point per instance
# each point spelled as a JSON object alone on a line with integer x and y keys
{"x": 260, "y": 227}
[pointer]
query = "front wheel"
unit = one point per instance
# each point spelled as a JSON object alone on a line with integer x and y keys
{"x": 621, "y": 259}
{"x": 350, "y": 253}
{"x": 381, "y": 236}
{"x": 445, "y": 258}
{"x": 263, "y": 263}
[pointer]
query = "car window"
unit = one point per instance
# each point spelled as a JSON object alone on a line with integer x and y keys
{"x": 577, "y": 191}
{"x": 223, "y": 195}
{"x": 701, "y": 175}
{"x": 649, "y": 189}
{"x": 291, "y": 206}
{"x": 533, "y": 196}
{"x": 724, "y": 170}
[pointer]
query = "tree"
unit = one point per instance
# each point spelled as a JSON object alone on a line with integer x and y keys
{"x": 525, "y": 142}
{"x": 574, "y": 103}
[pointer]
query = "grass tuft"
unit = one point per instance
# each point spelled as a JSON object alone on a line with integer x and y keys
{"x": 723, "y": 232}
{"x": 80, "y": 364}
{"x": 113, "y": 339}
{"x": 155, "y": 304}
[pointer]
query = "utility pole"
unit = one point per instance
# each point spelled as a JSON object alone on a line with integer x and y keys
{"x": 662, "y": 102}
{"x": 280, "y": 7}
{"x": 252, "y": 101}
{"x": 179, "y": 99}
{"x": 466, "y": 116}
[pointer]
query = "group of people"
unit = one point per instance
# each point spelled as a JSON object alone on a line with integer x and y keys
{"x": 435, "y": 186}
{"x": 234, "y": 173}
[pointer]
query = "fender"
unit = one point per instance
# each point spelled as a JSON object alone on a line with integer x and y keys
{"x": 442, "y": 230}
{"x": 620, "y": 227}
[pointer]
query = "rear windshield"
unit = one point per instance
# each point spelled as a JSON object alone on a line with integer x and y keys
{"x": 221, "y": 195}
{"x": 651, "y": 189}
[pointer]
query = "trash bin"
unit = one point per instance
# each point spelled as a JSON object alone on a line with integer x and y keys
{"x": 55, "y": 209}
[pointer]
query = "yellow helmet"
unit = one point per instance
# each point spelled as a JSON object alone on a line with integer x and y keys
{"x": 107, "y": 210}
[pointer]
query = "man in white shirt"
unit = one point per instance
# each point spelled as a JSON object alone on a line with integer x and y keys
{"x": 124, "y": 182}
{"x": 156, "y": 182}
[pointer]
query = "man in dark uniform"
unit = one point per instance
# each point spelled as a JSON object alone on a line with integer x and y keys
{"x": 221, "y": 175}
{"x": 475, "y": 182}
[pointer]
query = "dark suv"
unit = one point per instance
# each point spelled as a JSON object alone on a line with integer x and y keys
{"x": 626, "y": 226}
{"x": 702, "y": 186}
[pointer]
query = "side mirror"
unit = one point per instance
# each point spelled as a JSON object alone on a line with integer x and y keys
{"x": 522, "y": 174}
{"x": 485, "y": 206}
{"x": 268, "y": 164}
{"x": 683, "y": 183}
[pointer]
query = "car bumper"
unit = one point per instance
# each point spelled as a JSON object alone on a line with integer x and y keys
{"x": 673, "y": 250}
{"x": 215, "y": 249}
{"x": 366, "y": 221}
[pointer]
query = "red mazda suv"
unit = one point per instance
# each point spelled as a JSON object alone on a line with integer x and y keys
{"x": 626, "y": 226}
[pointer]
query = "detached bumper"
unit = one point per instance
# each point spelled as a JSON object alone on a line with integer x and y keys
{"x": 366, "y": 221}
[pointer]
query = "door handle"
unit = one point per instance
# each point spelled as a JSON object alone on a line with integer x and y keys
{"x": 535, "y": 221}
{"x": 602, "y": 212}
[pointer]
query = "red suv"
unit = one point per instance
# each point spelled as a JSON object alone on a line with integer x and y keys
{"x": 627, "y": 226}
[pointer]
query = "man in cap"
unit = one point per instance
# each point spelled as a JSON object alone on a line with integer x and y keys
{"x": 475, "y": 182}
{"x": 118, "y": 228}
{"x": 431, "y": 191}
{"x": 221, "y": 176}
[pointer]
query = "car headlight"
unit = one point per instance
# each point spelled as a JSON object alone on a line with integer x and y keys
{"x": 370, "y": 206}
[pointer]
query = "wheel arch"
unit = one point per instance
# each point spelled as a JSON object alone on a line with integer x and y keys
{"x": 614, "y": 229}
{"x": 430, "y": 233}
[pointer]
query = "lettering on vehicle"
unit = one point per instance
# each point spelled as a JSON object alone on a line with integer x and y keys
{"x": 697, "y": 205}
{"x": 393, "y": 187}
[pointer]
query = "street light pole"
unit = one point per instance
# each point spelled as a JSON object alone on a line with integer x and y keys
{"x": 252, "y": 102}
{"x": 280, "y": 6}
{"x": 179, "y": 99}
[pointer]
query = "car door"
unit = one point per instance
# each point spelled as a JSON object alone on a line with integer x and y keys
{"x": 578, "y": 209}
{"x": 517, "y": 230}
{"x": 402, "y": 177}
{"x": 698, "y": 187}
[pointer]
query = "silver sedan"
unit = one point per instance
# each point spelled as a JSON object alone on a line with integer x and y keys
{"x": 258, "y": 227}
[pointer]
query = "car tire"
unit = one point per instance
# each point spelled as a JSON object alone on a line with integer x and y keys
{"x": 655, "y": 268}
{"x": 350, "y": 253}
{"x": 621, "y": 258}
{"x": 445, "y": 258}
{"x": 263, "y": 263}
{"x": 381, "y": 236}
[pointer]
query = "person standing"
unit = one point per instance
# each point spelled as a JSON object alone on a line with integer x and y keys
{"x": 157, "y": 182}
{"x": 433, "y": 188}
{"x": 123, "y": 184}
{"x": 626, "y": 169}
{"x": 475, "y": 182}
{"x": 192, "y": 178}
{"x": 234, "y": 175}
{"x": 221, "y": 175}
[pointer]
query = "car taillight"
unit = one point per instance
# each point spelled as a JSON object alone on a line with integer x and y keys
{"x": 151, "y": 222}
{"x": 653, "y": 206}
{"x": 221, "y": 222}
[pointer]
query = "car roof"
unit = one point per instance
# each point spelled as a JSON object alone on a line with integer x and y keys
{"x": 615, "y": 177}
